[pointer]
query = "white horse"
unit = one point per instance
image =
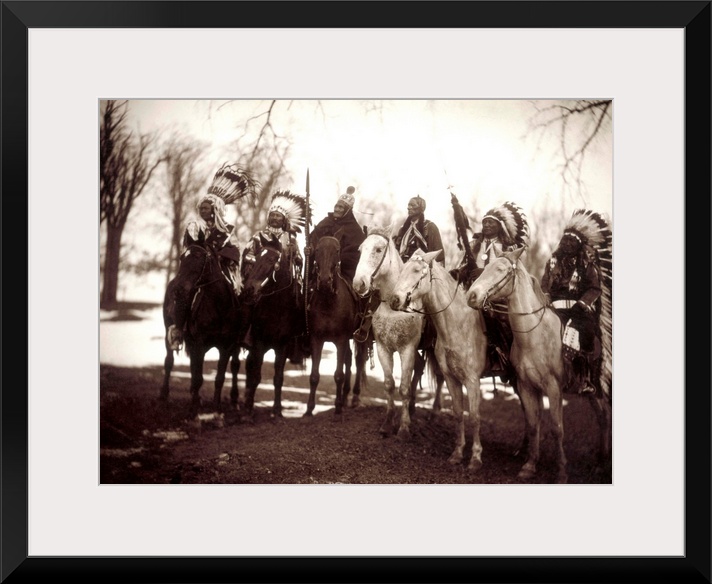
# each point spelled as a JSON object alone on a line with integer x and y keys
{"x": 394, "y": 331}
{"x": 536, "y": 355}
{"x": 425, "y": 287}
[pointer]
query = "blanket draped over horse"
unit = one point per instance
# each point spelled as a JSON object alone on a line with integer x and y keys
{"x": 212, "y": 321}
{"x": 333, "y": 316}
{"x": 274, "y": 309}
{"x": 425, "y": 287}
{"x": 537, "y": 357}
{"x": 394, "y": 331}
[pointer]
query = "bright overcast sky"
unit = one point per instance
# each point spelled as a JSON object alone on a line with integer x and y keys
{"x": 404, "y": 148}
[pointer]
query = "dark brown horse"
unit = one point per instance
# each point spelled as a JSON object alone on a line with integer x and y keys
{"x": 201, "y": 308}
{"x": 273, "y": 298}
{"x": 333, "y": 316}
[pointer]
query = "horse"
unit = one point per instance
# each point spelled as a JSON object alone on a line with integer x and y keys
{"x": 425, "y": 287}
{"x": 333, "y": 316}
{"x": 214, "y": 316}
{"x": 394, "y": 331}
{"x": 272, "y": 294}
{"x": 537, "y": 356}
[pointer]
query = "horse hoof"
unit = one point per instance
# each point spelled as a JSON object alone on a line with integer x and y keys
{"x": 355, "y": 401}
{"x": 526, "y": 474}
{"x": 403, "y": 434}
{"x": 455, "y": 459}
{"x": 308, "y": 415}
{"x": 474, "y": 466}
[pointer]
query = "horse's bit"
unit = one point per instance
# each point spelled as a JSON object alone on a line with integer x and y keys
{"x": 499, "y": 285}
{"x": 380, "y": 263}
{"x": 425, "y": 271}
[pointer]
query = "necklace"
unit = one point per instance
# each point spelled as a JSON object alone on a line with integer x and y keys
{"x": 485, "y": 254}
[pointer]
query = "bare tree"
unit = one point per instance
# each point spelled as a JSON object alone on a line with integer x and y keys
{"x": 578, "y": 125}
{"x": 126, "y": 166}
{"x": 183, "y": 179}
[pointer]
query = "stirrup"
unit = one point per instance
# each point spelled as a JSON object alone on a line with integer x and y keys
{"x": 360, "y": 335}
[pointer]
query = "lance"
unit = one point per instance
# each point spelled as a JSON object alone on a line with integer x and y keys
{"x": 461, "y": 227}
{"x": 307, "y": 259}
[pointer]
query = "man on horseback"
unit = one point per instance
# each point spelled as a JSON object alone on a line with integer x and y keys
{"x": 283, "y": 223}
{"x": 286, "y": 217}
{"x": 418, "y": 233}
{"x": 504, "y": 228}
{"x": 574, "y": 282}
{"x": 342, "y": 223}
{"x": 212, "y": 232}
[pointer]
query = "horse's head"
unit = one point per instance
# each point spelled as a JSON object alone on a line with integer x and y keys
{"x": 264, "y": 274}
{"x": 378, "y": 254}
{"x": 496, "y": 281}
{"x": 327, "y": 256}
{"x": 414, "y": 282}
{"x": 195, "y": 267}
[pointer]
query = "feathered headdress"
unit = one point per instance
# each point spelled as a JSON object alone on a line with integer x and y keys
{"x": 293, "y": 207}
{"x": 592, "y": 229}
{"x": 513, "y": 221}
{"x": 232, "y": 183}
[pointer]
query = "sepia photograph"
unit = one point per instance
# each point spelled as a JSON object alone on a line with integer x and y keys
{"x": 344, "y": 305}
{"x": 338, "y": 291}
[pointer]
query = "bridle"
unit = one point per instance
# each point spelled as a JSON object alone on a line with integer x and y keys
{"x": 206, "y": 262}
{"x": 499, "y": 285}
{"x": 408, "y": 297}
{"x": 333, "y": 274}
{"x": 273, "y": 276}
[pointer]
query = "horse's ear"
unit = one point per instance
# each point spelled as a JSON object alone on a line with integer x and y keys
{"x": 516, "y": 254}
{"x": 263, "y": 240}
{"x": 431, "y": 256}
{"x": 392, "y": 229}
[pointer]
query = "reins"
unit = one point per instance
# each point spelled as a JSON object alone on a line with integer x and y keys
{"x": 499, "y": 285}
{"x": 380, "y": 263}
{"x": 428, "y": 270}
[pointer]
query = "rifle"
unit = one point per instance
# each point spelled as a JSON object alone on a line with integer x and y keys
{"x": 307, "y": 259}
{"x": 461, "y": 226}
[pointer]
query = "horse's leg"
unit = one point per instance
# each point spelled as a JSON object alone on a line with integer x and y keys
{"x": 532, "y": 404}
{"x": 474, "y": 396}
{"x": 253, "y": 373}
{"x": 343, "y": 352}
{"x": 406, "y": 390}
{"x": 385, "y": 358}
{"x": 224, "y": 357}
{"x": 602, "y": 408}
{"x": 348, "y": 361}
{"x": 197, "y": 357}
{"x": 167, "y": 368}
{"x": 556, "y": 411}
{"x": 360, "y": 379}
{"x": 524, "y": 445}
{"x": 317, "y": 347}
{"x": 280, "y": 360}
{"x": 418, "y": 370}
{"x": 437, "y": 400}
{"x": 454, "y": 386}
{"x": 235, "y": 369}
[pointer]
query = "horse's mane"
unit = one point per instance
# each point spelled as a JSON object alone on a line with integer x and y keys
{"x": 536, "y": 285}
{"x": 384, "y": 230}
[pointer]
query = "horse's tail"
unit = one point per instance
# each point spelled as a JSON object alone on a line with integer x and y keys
{"x": 432, "y": 369}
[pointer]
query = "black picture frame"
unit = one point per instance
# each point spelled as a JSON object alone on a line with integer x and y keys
{"x": 693, "y": 17}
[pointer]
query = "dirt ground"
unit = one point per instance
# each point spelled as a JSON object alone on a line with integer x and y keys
{"x": 144, "y": 441}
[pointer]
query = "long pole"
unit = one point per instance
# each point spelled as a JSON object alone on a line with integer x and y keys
{"x": 306, "y": 258}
